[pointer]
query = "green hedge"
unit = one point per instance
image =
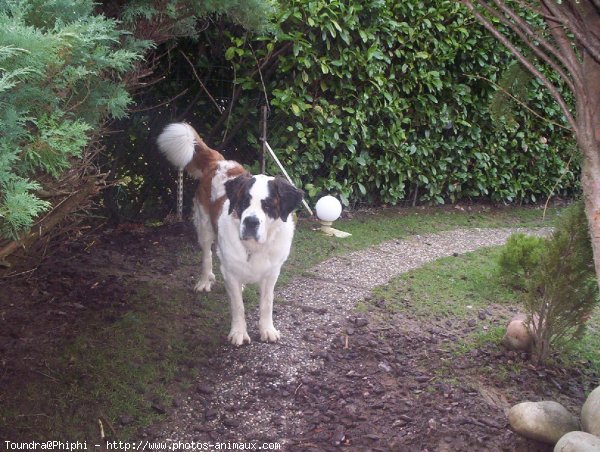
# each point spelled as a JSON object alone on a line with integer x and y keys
{"x": 383, "y": 101}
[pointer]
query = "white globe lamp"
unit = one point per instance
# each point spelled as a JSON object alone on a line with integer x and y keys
{"x": 328, "y": 210}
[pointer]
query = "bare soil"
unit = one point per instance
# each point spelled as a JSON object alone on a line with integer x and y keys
{"x": 382, "y": 382}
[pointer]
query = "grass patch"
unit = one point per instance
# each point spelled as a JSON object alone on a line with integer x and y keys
{"x": 449, "y": 287}
{"x": 121, "y": 369}
{"x": 457, "y": 288}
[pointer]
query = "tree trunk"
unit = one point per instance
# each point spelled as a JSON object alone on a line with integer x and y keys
{"x": 588, "y": 140}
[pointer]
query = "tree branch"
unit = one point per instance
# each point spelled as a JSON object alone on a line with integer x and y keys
{"x": 59, "y": 212}
{"x": 518, "y": 101}
{"x": 568, "y": 19}
{"x": 525, "y": 62}
{"x": 526, "y": 33}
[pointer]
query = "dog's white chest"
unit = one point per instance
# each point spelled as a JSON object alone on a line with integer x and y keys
{"x": 252, "y": 262}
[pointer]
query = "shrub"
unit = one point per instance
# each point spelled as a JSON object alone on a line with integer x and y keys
{"x": 380, "y": 102}
{"x": 383, "y": 102}
{"x": 558, "y": 279}
{"x": 563, "y": 289}
{"x": 519, "y": 259}
{"x": 60, "y": 76}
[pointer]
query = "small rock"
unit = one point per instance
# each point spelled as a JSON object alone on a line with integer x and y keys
{"x": 338, "y": 436}
{"x": 384, "y": 366}
{"x": 399, "y": 423}
{"x": 517, "y": 336}
{"x": 125, "y": 419}
{"x": 159, "y": 408}
{"x": 211, "y": 414}
{"x": 578, "y": 442}
{"x": 590, "y": 413}
{"x": 360, "y": 322}
{"x": 231, "y": 423}
{"x": 544, "y": 421}
{"x": 205, "y": 389}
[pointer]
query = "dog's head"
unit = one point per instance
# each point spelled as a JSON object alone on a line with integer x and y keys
{"x": 259, "y": 201}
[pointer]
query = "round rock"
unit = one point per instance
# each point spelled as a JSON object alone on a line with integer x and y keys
{"x": 590, "y": 413}
{"x": 517, "y": 336}
{"x": 578, "y": 442}
{"x": 545, "y": 421}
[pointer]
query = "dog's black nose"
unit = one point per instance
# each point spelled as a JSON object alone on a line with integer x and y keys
{"x": 250, "y": 227}
{"x": 251, "y": 223}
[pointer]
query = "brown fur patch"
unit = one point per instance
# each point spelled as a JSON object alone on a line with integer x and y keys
{"x": 204, "y": 166}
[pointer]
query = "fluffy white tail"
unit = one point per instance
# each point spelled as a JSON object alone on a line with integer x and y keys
{"x": 177, "y": 142}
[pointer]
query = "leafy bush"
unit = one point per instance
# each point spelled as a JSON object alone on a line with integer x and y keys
{"x": 379, "y": 102}
{"x": 519, "y": 259}
{"x": 385, "y": 101}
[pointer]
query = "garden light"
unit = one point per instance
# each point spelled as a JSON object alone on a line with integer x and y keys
{"x": 328, "y": 210}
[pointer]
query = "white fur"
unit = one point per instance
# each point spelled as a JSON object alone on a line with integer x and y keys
{"x": 206, "y": 237}
{"x": 177, "y": 143}
{"x": 258, "y": 191}
{"x": 246, "y": 262}
{"x": 217, "y": 188}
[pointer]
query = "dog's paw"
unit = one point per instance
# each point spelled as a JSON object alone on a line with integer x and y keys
{"x": 238, "y": 337}
{"x": 269, "y": 334}
{"x": 205, "y": 283}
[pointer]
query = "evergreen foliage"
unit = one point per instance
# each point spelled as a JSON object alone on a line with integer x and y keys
{"x": 60, "y": 66}
{"x": 181, "y": 16}
{"x": 558, "y": 277}
{"x": 563, "y": 289}
{"x": 65, "y": 69}
{"x": 519, "y": 259}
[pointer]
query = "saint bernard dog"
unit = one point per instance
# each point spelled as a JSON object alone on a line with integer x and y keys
{"x": 250, "y": 217}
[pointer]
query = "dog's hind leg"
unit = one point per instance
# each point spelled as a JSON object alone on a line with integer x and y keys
{"x": 206, "y": 237}
{"x": 265, "y": 324}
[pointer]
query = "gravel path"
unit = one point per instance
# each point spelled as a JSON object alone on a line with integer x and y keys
{"x": 249, "y": 393}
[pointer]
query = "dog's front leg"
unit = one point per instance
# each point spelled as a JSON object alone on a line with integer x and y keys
{"x": 265, "y": 324}
{"x": 238, "y": 333}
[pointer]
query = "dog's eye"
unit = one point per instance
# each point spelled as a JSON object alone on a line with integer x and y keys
{"x": 269, "y": 208}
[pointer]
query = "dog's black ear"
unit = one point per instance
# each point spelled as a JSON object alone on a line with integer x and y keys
{"x": 289, "y": 196}
{"x": 237, "y": 192}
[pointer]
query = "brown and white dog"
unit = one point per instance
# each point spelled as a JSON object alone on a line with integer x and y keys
{"x": 250, "y": 216}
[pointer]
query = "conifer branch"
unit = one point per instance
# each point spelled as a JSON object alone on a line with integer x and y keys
{"x": 524, "y": 61}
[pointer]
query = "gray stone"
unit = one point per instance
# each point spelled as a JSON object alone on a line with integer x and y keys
{"x": 545, "y": 421}
{"x": 590, "y": 413}
{"x": 578, "y": 442}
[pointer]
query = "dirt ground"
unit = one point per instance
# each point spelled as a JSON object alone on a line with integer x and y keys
{"x": 384, "y": 383}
